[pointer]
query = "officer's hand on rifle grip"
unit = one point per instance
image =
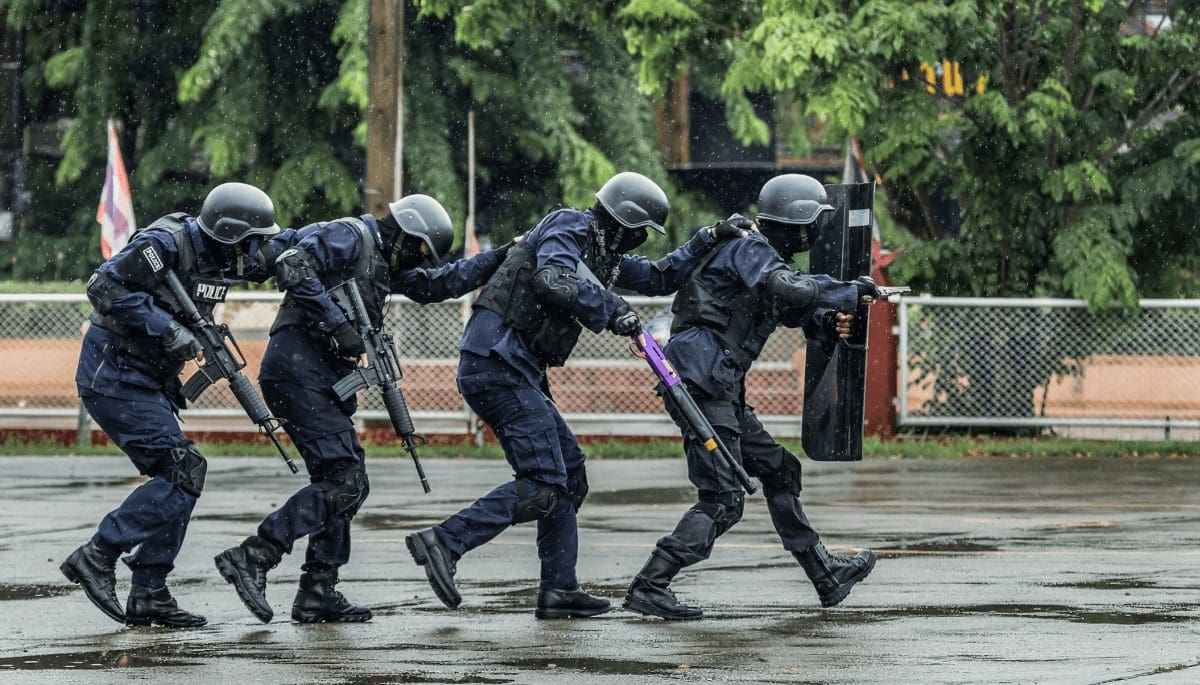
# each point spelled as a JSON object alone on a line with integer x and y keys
{"x": 624, "y": 321}
{"x": 347, "y": 342}
{"x": 179, "y": 343}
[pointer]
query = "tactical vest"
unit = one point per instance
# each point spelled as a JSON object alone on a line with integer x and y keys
{"x": 548, "y": 332}
{"x": 370, "y": 271}
{"x": 742, "y": 323}
{"x": 204, "y": 282}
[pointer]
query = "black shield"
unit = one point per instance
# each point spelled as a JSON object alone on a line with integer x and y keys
{"x": 835, "y": 374}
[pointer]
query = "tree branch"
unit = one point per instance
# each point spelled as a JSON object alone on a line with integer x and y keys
{"x": 1164, "y": 99}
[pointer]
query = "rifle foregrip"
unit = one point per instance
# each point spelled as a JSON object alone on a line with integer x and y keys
{"x": 397, "y": 409}
{"x": 249, "y": 399}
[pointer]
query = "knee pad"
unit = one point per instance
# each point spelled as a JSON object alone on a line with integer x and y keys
{"x": 185, "y": 467}
{"x": 534, "y": 501}
{"x": 346, "y": 489}
{"x": 577, "y": 486}
{"x": 723, "y": 507}
{"x": 785, "y": 477}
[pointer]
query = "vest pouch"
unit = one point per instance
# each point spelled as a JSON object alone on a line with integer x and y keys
{"x": 553, "y": 339}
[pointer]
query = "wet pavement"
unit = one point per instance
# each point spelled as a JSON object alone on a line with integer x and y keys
{"x": 991, "y": 570}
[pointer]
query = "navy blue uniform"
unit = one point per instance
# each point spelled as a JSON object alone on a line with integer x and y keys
{"x": 135, "y": 399}
{"x": 299, "y": 370}
{"x": 504, "y": 383}
{"x": 717, "y": 382}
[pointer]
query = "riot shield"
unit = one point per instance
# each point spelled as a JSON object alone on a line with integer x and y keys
{"x": 835, "y": 374}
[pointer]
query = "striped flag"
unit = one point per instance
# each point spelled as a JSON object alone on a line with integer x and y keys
{"x": 115, "y": 213}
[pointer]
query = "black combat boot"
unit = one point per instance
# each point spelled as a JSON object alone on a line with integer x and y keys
{"x": 96, "y": 574}
{"x": 440, "y": 565}
{"x": 317, "y": 601}
{"x": 245, "y": 567}
{"x": 651, "y": 595}
{"x": 575, "y": 603}
{"x": 157, "y": 607}
{"x": 833, "y": 576}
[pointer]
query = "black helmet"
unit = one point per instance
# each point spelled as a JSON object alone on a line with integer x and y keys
{"x": 233, "y": 212}
{"x": 792, "y": 199}
{"x": 425, "y": 219}
{"x": 635, "y": 201}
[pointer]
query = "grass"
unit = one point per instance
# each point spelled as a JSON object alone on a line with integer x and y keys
{"x": 23, "y": 287}
{"x": 943, "y": 447}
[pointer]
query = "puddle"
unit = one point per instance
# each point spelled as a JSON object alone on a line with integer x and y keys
{"x": 678, "y": 495}
{"x": 17, "y": 592}
{"x": 1108, "y": 584}
{"x": 1056, "y": 612}
{"x": 158, "y": 656}
{"x": 593, "y": 665}
{"x": 377, "y": 521}
{"x": 947, "y": 546}
{"x": 386, "y": 678}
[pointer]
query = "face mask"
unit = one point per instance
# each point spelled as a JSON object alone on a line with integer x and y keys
{"x": 628, "y": 239}
{"x": 406, "y": 253}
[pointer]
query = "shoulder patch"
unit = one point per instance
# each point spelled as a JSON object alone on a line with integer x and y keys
{"x": 152, "y": 258}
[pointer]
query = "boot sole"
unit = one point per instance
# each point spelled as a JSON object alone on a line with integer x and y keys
{"x": 637, "y": 606}
{"x": 551, "y": 614}
{"x": 420, "y": 555}
{"x": 72, "y": 576}
{"x": 301, "y": 617}
{"x": 843, "y": 591}
{"x": 229, "y": 573}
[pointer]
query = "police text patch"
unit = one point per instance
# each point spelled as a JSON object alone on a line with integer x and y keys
{"x": 152, "y": 258}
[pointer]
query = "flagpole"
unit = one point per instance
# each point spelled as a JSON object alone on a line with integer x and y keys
{"x": 470, "y": 248}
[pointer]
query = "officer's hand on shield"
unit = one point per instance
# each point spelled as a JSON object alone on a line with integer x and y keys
{"x": 840, "y": 324}
{"x": 867, "y": 290}
{"x": 179, "y": 343}
{"x": 347, "y": 342}
{"x": 624, "y": 321}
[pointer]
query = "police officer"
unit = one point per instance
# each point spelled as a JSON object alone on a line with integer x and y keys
{"x": 528, "y": 318}
{"x": 312, "y": 346}
{"x": 724, "y": 312}
{"x": 128, "y": 379}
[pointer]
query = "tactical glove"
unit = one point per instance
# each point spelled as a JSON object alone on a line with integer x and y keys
{"x": 624, "y": 321}
{"x": 179, "y": 343}
{"x": 866, "y": 287}
{"x": 733, "y": 227}
{"x": 347, "y": 342}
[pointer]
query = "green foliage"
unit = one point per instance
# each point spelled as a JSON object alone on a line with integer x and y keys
{"x": 1071, "y": 168}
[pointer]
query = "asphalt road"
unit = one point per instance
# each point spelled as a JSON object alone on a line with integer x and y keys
{"x": 997, "y": 570}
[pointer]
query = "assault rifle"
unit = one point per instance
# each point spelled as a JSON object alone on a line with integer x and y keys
{"x": 697, "y": 423}
{"x": 219, "y": 362}
{"x": 382, "y": 371}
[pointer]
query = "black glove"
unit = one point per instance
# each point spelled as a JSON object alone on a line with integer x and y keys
{"x": 733, "y": 227}
{"x": 866, "y": 287}
{"x": 347, "y": 342}
{"x": 625, "y": 321}
{"x": 179, "y": 343}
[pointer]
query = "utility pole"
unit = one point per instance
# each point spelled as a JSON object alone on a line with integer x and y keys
{"x": 385, "y": 112}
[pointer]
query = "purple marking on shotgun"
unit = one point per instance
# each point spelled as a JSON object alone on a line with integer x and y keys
{"x": 657, "y": 358}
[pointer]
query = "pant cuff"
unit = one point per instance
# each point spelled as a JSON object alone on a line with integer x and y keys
{"x": 151, "y": 578}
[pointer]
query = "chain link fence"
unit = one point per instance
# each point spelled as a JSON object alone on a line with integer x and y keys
{"x": 1047, "y": 362}
{"x": 603, "y": 390}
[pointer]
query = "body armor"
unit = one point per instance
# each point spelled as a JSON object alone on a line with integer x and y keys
{"x": 203, "y": 280}
{"x": 548, "y": 332}
{"x": 742, "y": 323}
{"x": 371, "y": 273}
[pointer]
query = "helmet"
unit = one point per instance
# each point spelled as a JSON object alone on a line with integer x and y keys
{"x": 425, "y": 219}
{"x": 792, "y": 199}
{"x": 635, "y": 201}
{"x": 233, "y": 212}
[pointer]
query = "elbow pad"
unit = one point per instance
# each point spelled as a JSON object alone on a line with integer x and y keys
{"x": 291, "y": 267}
{"x": 793, "y": 289}
{"x": 557, "y": 286}
{"x": 102, "y": 290}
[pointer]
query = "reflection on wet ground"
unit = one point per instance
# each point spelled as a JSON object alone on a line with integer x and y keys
{"x": 990, "y": 570}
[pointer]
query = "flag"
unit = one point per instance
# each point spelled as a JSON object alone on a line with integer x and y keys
{"x": 115, "y": 213}
{"x": 470, "y": 242}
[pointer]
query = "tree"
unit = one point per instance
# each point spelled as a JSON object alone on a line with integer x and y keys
{"x": 1070, "y": 147}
